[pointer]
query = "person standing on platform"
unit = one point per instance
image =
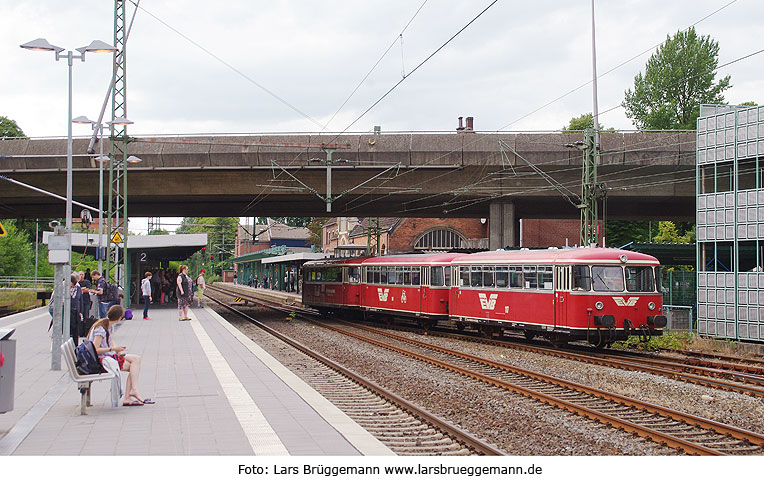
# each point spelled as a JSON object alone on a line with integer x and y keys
{"x": 200, "y": 285}
{"x": 85, "y": 287}
{"x": 76, "y": 308}
{"x": 183, "y": 292}
{"x": 146, "y": 292}
{"x": 100, "y": 284}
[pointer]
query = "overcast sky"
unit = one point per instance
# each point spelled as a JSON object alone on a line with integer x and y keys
{"x": 512, "y": 61}
{"x": 194, "y": 66}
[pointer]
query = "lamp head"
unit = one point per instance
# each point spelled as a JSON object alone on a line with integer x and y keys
{"x": 83, "y": 120}
{"x": 41, "y": 44}
{"x": 97, "y": 47}
{"x": 133, "y": 159}
{"x": 120, "y": 121}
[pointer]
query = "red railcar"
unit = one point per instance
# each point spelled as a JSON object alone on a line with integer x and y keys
{"x": 601, "y": 295}
{"x": 598, "y": 294}
{"x": 332, "y": 284}
{"x": 408, "y": 285}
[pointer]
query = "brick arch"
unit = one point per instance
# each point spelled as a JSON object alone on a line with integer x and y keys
{"x": 439, "y": 238}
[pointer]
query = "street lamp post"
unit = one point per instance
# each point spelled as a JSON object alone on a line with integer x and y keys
{"x": 94, "y": 47}
{"x": 101, "y": 159}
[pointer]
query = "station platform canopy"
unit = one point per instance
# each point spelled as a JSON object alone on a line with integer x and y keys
{"x": 295, "y": 257}
{"x": 160, "y": 246}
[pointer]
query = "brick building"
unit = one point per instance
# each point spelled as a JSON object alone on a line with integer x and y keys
{"x": 404, "y": 235}
{"x": 543, "y": 233}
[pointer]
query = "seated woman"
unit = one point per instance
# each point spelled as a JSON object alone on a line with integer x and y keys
{"x": 101, "y": 334}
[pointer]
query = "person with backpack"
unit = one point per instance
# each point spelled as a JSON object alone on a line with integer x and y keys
{"x": 200, "y": 286}
{"x": 108, "y": 293}
{"x": 101, "y": 334}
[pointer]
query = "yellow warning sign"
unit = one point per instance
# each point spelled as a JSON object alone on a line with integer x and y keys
{"x": 2, "y": 230}
{"x": 116, "y": 238}
{"x": 238, "y": 299}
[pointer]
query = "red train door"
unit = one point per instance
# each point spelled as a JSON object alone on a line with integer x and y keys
{"x": 562, "y": 280}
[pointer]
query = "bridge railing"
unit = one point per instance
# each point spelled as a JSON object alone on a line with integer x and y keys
{"x": 23, "y": 282}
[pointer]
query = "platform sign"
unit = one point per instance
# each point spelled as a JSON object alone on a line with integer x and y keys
{"x": 116, "y": 238}
{"x": 2, "y": 231}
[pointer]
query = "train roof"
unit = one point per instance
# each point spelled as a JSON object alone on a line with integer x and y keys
{"x": 557, "y": 256}
{"x": 335, "y": 262}
{"x": 413, "y": 259}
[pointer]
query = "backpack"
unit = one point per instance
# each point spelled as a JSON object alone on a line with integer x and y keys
{"x": 87, "y": 358}
{"x": 111, "y": 292}
{"x": 128, "y": 314}
{"x": 85, "y": 326}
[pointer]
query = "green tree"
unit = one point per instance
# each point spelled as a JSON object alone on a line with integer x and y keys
{"x": 678, "y": 78}
{"x": 16, "y": 252}
{"x": 9, "y": 129}
{"x": 221, "y": 236}
{"x": 315, "y": 227}
{"x": 668, "y": 233}
{"x": 584, "y": 121}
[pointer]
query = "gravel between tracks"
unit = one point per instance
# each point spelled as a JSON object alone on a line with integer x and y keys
{"x": 515, "y": 424}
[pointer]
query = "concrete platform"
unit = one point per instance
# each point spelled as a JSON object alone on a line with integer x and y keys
{"x": 216, "y": 393}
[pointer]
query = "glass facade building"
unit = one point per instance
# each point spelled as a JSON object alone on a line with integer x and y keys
{"x": 730, "y": 221}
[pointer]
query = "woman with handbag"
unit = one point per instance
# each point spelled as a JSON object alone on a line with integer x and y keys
{"x": 184, "y": 293}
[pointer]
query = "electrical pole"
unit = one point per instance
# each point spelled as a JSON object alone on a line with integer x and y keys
{"x": 117, "y": 208}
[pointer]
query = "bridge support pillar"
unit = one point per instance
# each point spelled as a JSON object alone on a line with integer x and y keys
{"x": 504, "y": 228}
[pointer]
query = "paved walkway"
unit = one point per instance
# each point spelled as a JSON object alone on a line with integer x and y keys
{"x": 216, "y": 393}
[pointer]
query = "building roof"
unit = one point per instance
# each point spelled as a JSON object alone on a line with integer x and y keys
{"x": 386, "y": 224}
{"x": 161, "y": 246}
{"x": 275, "y": 230}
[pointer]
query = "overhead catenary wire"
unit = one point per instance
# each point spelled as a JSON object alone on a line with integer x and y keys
{"x": 422, "y": 63}
{"x": 360, "y": 83}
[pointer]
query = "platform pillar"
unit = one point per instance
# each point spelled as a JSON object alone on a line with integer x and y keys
{"x": 503, "y": 225}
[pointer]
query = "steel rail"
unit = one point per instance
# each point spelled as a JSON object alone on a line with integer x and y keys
{"x": 457, "y": 434}
{"x": 593, "y": 414}
{"x": 665, "y": 368}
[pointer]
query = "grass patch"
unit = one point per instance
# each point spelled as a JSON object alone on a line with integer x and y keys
{"x": 679, "y": 340}
{"x": 18, "y": 299}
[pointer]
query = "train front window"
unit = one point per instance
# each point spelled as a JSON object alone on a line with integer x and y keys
{"x": 582, "y": 277}
{"x": 640, "y": 279}
{"x": 607, "y": 278}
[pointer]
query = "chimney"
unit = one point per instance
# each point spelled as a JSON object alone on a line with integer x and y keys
{"x": 461, "y": 126}
{"x": 470, "y": 120}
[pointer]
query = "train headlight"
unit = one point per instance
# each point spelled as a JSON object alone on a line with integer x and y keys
{"x": 599, "y": 305}
{"x": 651, "y": 306}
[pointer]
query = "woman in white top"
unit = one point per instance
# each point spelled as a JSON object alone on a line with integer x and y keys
{"x": 101, "y": 334}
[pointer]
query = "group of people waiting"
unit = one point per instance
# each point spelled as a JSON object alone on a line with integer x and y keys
{"x": 185, "y": 291}
{"x": 291, "y": 282}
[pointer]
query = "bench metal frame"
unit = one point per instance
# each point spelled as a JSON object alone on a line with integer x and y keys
{"x": 83, "y": 381}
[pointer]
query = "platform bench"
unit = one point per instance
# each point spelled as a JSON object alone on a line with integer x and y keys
{"x": 83, "y": 381}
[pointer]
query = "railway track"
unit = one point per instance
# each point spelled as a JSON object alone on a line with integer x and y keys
{"x": 688, "y": 433}
{"x": 691, "y": 434}
{"x": 405, "y": 428}
{"x": 727, "y": 375}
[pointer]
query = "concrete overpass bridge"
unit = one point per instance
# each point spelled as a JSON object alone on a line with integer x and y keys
{"x": 649, "y": 176}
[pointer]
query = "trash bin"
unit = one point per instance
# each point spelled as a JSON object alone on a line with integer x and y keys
{"x": 7, "y": 370}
